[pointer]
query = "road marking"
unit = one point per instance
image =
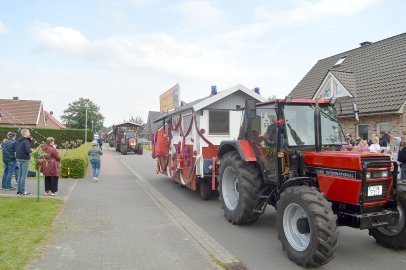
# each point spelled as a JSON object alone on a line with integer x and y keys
{"x": 209, "y": 244}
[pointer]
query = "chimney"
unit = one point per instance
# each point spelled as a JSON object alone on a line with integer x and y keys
{"x": 365, "y": 43}
{"x": 15, "y": 98}
{"x": 51, "y": 113}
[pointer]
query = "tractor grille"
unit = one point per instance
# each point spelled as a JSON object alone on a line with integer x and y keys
{"x": 377, "y": 198}
{"x": 378, "y": 162}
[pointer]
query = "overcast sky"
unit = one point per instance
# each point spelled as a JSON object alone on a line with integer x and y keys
{"x": 122, "y": 54}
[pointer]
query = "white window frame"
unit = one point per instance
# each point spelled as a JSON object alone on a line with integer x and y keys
{"x": 229, "y": 124}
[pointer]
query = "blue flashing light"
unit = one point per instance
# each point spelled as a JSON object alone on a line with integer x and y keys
{"x": 256, "y": 90}
{"x": 213, "y": 90}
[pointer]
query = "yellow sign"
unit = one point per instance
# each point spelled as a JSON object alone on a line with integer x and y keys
{"x": 170, "y": 99}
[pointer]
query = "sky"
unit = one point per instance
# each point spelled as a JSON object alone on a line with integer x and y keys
{"x": 122, "y": 54}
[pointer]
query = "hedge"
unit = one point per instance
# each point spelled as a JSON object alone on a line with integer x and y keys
{"x": 74, "y": 162}
{"x": 61, "y": 135}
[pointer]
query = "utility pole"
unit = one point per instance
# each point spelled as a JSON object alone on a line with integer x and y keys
{"x": 86, "y": 107}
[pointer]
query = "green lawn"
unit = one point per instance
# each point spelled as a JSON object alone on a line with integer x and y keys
{"x": 147, "y": 147}
{"x": 25, "y": 226}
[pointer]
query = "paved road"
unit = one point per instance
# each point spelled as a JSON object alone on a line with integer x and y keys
{"x": 257, "y": 245}
{"x": 116, "y": 224}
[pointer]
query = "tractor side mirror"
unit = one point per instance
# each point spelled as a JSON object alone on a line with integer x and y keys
{"x": 250, "y": 108}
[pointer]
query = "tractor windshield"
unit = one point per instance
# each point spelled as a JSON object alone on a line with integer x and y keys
{"x": 299, "y": 120}
{"x": 130, "y": 134}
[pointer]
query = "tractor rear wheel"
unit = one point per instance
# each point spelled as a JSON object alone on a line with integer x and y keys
{"x": 239, "y": 187}
{"x": 394, "y": 236}
{"x": 307, "y": 226}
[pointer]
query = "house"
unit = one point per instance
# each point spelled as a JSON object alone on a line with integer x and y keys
{"x": 192, "y": 133}
{"x": 373, "y": 76}
{"x": 27, "y": 113}
{"x": 51, "y": 121}
{"x": 151, "y": 126}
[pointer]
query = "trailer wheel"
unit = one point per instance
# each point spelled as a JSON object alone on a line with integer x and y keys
{"x": 205, "y": 191}
{"x": 140, "y": 149}
{"x": 307, "y": 226}
{"x": 239, "y": 187}
{"x": 124, "y": 149}
{"x": 394, "y": 236}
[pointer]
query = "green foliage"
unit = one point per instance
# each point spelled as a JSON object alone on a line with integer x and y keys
{"x": 60, "y": 135}
{"x": 25, "y": 225}
{"x": 75, "y": 115}
{"x": 74, "y": 162}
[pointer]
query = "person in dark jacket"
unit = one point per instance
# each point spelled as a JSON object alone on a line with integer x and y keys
{"x": 23, "y": 155}
{"x": 9, "y": 160}
{"x": 51, "y": 168}
{"x": 402, "y": 160}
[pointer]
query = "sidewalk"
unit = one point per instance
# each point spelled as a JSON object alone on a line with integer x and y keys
{"x": 114, "y": 224}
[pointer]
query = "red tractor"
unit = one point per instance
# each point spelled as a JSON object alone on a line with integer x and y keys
{"x": 126, "y": 138}
{"x": 287, "y": 156}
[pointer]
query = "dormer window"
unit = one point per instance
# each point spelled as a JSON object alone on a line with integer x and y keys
{"x": 340, "y": 61}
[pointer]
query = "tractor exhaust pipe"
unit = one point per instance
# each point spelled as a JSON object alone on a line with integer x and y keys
{"x": 317, "y": 127}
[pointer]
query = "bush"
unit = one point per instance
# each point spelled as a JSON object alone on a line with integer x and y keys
{"x": 74, "y": 162}
{"x": 60, "y": 135}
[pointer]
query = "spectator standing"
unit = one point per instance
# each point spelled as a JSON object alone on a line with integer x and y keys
{"x": 100, "y": 142}
{"x": 383, "y": 142}
{"x": 23, "y": 155}
{"x": 375, "y": 147}
{"x": 9, "y": 161}
{"x": 402, "y": 161}
{"x": 94, "y": 153}
{"x": 349, "y": 139}
{"x": 51, "y": 169}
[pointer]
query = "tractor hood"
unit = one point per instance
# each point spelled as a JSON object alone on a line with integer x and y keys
{"x": 342, "y": 160}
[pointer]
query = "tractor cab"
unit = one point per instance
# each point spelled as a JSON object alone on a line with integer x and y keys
{"x": 281, "y": 128}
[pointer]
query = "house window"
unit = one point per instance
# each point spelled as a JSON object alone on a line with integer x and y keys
{"x": 219, "y": 122}
{"x": 340, "y": 61}
{"x": 384, "y": 127}
{"x": 363, "y": 131}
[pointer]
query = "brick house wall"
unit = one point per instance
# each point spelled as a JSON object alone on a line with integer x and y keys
{"x": 396, "y": 124}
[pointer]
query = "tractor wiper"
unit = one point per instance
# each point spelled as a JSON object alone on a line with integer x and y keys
{"x": 295, "y": 136}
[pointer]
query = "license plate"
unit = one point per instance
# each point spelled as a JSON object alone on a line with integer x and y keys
{"x": 374, "y": 191}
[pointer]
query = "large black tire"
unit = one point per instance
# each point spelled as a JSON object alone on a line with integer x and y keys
{"x": 248, "y": 182}
{"x": 394, "y": 236}
{"x": 124, "y": 149}
{"x": 307, "y": 226}
{"x": 140, "y": 149}
{"x": 111, "y": 144}
{"x": 205, "y": 191}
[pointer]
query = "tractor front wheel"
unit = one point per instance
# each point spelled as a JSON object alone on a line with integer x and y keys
{"x": 307, "y": 226}
{"x": 394, "y": 236}
{"x": 124, "y": 149}
{"x": 239, "y": 187}
{"x": 140, "y": 149}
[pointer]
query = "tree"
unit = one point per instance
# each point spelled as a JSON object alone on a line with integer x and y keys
{"x": 75, "y": 115}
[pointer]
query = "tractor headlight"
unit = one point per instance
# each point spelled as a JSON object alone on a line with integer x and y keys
{"x": 368, "y": 175}
{"x": 384, "y": 174}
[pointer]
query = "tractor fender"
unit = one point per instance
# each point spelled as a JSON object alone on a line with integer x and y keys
{"x": 243, "y": 147}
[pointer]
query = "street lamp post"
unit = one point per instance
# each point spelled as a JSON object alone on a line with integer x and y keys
{"x": 92, "y": 126}
{"x": 86, "y": 107}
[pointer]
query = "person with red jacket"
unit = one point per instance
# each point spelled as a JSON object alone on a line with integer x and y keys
{"x": 51, "y": 167}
